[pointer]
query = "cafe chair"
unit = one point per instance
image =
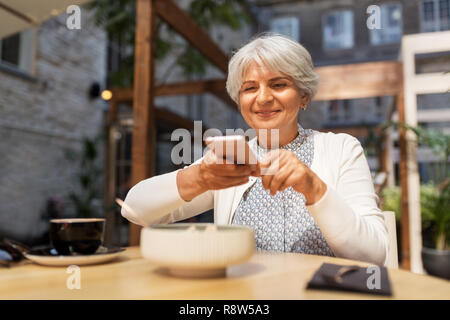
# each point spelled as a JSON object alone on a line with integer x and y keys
{"x": 389, "y": 219}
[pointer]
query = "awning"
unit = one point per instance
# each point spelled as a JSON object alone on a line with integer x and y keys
{"x": 18, "y": 15}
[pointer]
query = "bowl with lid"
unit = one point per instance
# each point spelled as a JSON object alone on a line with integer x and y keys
{"x": 197, "y": 249}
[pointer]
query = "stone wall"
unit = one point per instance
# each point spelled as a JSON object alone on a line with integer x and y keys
{"x": 41, "y": 116}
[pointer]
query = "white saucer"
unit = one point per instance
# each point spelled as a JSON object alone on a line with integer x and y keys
{"x": 49, "y": 257}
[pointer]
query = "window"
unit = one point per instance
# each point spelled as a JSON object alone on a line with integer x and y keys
{"x": 334, "y": 110}
{"x": 340, "y": 112}
{"x": 10, "y": 50}
{"x": 378, "y": 108}
{"x": 435, "y": 15}
{"x": 391, "y": 25}
{"x": 338, "y": 30}
{"x": 347, "y": 110}
{"x": 288, "y": 26}
{"x": 17, "y": 51}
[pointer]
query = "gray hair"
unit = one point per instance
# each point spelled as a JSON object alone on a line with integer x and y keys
{"x": 279, "y": 53}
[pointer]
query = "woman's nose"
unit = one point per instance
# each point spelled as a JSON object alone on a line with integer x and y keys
{"x": 264, "y": 96}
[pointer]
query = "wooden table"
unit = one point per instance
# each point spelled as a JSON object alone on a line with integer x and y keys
{"x": 264, "y": 276}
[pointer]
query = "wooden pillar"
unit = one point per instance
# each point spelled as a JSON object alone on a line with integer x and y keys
{"x": 110, "y": 153}
{"x": 144, "y": 132}
{"x": 383, "y": 155}
{"x": 390, "y": 161}
{"x": 403, "y": 174}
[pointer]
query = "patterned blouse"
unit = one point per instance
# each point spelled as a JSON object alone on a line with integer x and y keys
{"x": 282, "y": 222}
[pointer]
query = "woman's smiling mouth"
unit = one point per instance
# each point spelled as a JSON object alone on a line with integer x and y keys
{"x": 267, "y": 114}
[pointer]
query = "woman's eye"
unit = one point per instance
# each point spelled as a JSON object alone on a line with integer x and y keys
{"x": 249, "y": 88}
{"x": 279, "y": 85}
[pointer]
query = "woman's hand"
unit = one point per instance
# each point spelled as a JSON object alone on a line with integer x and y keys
{"x": 280, "y": 169}
{"x": 211, "y": 174}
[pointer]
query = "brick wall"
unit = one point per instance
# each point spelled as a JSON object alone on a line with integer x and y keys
{"x": 41, "y": 117}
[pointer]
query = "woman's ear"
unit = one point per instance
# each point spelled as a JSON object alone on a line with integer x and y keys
{"x": 304, "y": 100}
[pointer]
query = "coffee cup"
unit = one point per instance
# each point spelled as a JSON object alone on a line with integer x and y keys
{"x": 77, "y": 236}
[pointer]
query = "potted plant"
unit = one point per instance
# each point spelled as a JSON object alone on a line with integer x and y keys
{"x": 436, "y": 230}
{"x": 435, "y": 204}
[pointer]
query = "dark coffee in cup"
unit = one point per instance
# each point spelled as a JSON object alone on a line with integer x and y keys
{"x": 76, "y": 236}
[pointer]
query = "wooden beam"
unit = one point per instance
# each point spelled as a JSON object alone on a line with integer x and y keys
{"x": 191, "y": 87}
{"x": 144, "y": 133}
{"x": 214, "y": 86}
{"x": 109, "y": 184}
{"x": 182, "y": 88}
{"x": 181, "y": 22}
{"x": 112, "y": 111}
{"x": 383, "y": 157}
{"x": 122, "y": 94}
{"x": 173, "y": 119}
{"x": 403, "y": 173}
{"x": 362, "y": 80}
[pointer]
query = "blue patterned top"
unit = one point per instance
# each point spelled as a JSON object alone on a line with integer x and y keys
{"x": 282, "y": 222}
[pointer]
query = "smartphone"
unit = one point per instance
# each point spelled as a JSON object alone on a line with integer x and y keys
{"x": 233, "y": 149}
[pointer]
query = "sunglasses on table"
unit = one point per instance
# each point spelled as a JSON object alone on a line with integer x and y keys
{"x": 12, "y": 253}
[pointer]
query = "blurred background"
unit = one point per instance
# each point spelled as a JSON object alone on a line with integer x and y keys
{"x": 65, "y": 153}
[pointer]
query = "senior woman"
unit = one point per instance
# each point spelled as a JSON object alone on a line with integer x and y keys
{"x": 320, "y": 200}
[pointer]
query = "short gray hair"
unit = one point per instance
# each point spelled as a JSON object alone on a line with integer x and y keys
{"x": 279, "y": 53}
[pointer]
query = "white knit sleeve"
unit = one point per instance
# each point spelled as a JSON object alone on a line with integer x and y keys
{"x": 348, "y": 216}
{"x": 157, "y": 200}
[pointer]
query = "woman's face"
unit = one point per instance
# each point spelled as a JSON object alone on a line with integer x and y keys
{"x": 270, "y": 100}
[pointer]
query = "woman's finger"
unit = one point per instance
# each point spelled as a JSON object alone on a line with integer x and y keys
{"x": 278, "y": 179}
{"x": 211, "y": 164}
{"x": 265, "y": 180}
{"x": 230, "y": 170}
{"x": 294, "y": 179}
{"x": 276, "y": 164}
{"x": 272, "y": 161}
{"x": 227, "y": 182}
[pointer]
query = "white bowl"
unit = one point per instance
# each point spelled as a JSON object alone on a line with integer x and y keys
{"x": 203, "y": 252}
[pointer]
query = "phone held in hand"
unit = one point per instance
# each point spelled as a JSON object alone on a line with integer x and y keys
{"x": 233, "y": 149}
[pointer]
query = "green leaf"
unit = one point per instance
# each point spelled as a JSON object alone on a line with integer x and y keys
{"x": 434, "y": 204}
{"x": 118, "y": 18}
{"x": 192, "y": 62}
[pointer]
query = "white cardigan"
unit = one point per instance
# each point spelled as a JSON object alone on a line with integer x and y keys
{"x": 347, "y": 214}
